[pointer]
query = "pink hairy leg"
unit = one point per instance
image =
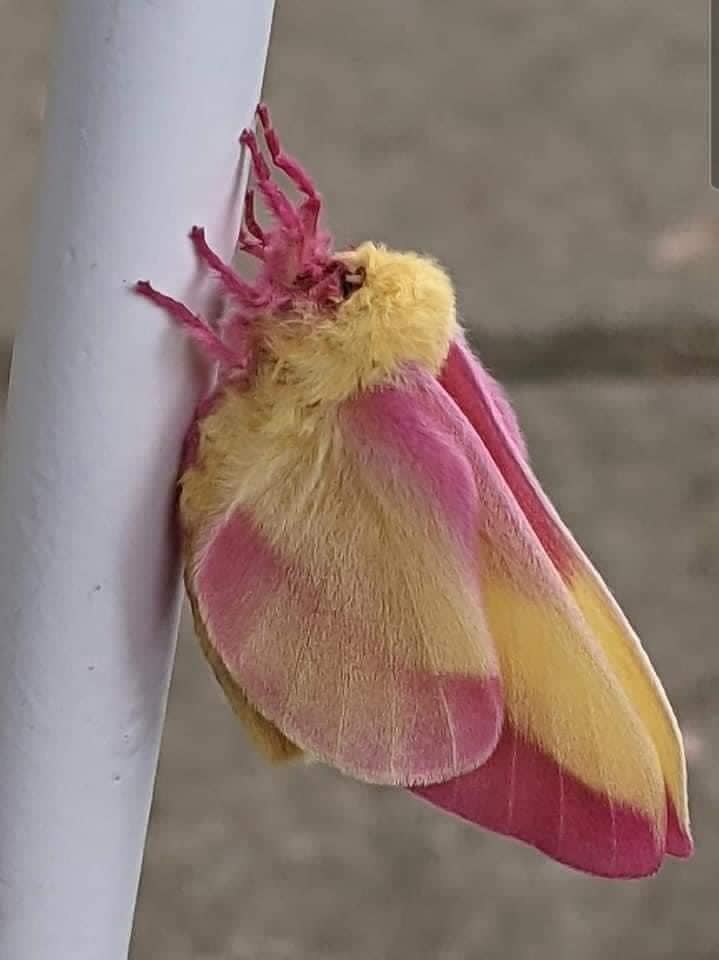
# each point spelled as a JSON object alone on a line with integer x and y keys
{"x": 250, "y": 246}
{"x": 310, "y": 209}
{"x": 280, "y": 159}
{"x": 252, "y": 237}
{"x": 276, "y": 200}
{"x": 328, "y": 286}
{"x": 244, "y": 292}
{"x": 250, "y": 219}
{"x": 212, "y": 345}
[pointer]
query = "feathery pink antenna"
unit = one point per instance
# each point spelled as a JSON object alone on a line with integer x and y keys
{"x": 298, "y": 267}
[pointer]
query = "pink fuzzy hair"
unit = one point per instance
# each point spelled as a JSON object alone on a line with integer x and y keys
{"x": 298, "y": 267}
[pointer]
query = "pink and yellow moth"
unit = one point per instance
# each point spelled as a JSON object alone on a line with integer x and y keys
{"x": 377, "y": 578}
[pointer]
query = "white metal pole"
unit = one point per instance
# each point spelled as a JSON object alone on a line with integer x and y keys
{"x": 148, "y": 100}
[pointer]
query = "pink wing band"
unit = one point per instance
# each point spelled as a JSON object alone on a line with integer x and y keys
{"x": 523, "y": 793}
{"x": 411, "y": 439}
{"x": 476, "y": 398}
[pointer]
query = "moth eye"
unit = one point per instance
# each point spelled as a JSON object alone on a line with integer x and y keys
{"x": 352, "y": 281}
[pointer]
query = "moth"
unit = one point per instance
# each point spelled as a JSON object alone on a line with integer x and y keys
{"x": 377, "y": 578}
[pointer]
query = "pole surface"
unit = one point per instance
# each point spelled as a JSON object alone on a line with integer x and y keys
{"x": 147, "y": 103}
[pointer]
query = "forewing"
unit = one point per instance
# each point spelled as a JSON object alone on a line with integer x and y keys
{"x": 590, "y": 766}
{"x": 342, "y": 595}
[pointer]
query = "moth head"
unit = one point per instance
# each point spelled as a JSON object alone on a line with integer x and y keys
{"x": 332, "y": 323}
{"x": 398, "y": 307}
{"x": 388, "y": 311}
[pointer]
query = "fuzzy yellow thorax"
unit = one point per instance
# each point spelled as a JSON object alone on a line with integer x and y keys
{"x": 404, "y": 313}
{"x": 282, "y": 425}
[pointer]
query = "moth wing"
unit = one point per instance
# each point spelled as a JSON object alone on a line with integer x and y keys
{"x": 590, "y": 766}
{"x": 342, "y": 597}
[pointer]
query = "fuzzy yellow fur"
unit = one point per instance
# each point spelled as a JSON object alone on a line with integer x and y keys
{"x": 286, "y": 419}
{"x": 403, "y": 313}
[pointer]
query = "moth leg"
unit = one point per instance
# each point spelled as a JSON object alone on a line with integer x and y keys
{"x": 310, "y": 216}
{"x": 200, "y": 332}
{"x": 278, "y": 203}
{"x": 310, "y": 210}
{"x": 252, "y": 237}
{"x": 240, "y": 290}
{"x": 250, "y": 221}
{"x": 281, "y": 160}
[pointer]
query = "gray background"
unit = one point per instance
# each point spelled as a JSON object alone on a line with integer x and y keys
{"x": 539, "y": 150}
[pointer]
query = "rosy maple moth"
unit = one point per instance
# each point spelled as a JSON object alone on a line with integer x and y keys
{"x": 377, "y": 578}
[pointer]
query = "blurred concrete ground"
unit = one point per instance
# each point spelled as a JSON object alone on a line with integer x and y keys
{"x": 537, "y": 150}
